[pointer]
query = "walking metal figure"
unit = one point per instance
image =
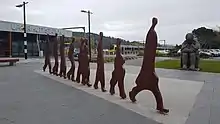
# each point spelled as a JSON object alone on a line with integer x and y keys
{"x": 147, "y": 78}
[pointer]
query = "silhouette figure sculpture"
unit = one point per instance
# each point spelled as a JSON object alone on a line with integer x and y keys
{"x": 63, "y": 59}
{"x": 47, "y": 55}
{"x": 55, "y": 54}
{"x": 71, "y": 72}
{"x": 100, "y": 73}
{"x": 147, "y": 78}
{"x": 118, "y": 73}
{"x": 83, "y": 68}
{"x": 79, "y": 71}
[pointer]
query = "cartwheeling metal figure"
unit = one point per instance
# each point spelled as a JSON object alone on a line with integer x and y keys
{"x": 55, "y": 54}
{"x": 47, "y": 55}
{"x": 100, "y": 73}
{"x": 119, "y": 73}
{"x": 71, "y": 72}
{"x": 63, "y": 59}
{"x": 147, "y": 78}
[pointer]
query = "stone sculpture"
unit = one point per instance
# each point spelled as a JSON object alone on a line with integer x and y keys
{"x": 100, "y": 73}
{"x": 63, "y": 59}
{"x": 55, "y": 54}
{"x": 47, "y": 55}
{"x": 147, "y": 78}
{"x": 118, "y": 73}
{"x": 190, "y": 53}
{"x": 71, "y": 72}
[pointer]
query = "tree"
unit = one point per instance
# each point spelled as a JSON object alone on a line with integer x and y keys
{"x": 208, "y": 38}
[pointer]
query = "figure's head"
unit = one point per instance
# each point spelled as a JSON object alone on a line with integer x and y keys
{"x": 55, "y": 34}
{"x": 118, "y": 42}
{"x": 101, "y": 35}
{"x": 189, "y": 38}
{"x": 154, "y": 21}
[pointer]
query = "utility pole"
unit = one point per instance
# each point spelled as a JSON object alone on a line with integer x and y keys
{"x": 25, "y": 33}
{"x": 88, "y": 12}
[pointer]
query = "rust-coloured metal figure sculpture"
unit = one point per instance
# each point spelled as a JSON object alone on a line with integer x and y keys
{"x": 63, "y": 59}
{"x": 100, "y": 73}
{"x": 85, "y": 64}
{"x": 71, "y": 72}
{"x": 47, "y": 55}
{"x": 79, "y": 71}
{"x": 55, "y": 54}
{"x": 147, "y": 78}
{"x": 119, "y": 73}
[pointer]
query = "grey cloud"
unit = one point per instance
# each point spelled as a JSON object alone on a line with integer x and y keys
{"x": 128, "y": 19}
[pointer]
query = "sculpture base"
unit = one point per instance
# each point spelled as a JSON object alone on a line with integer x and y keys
{"x": 179, "y": 96}
{"x": 188, "y": 69}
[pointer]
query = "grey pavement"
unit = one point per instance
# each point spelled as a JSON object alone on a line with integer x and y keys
{"x": 27, "y": 97}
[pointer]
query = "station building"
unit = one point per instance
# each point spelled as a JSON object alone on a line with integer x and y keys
{"x": 12, "y": 41}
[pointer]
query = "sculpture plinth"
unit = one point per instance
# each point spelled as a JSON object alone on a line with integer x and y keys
{"x": 118, "y": 73}
{"x": 147, "y": 78}
{"x": 47, "y": 55}
{"x": 62, "y": 58}
{"x": 71, "y": 72}
{"x": 55, "y": 54}
{"x": 100, "y": 73}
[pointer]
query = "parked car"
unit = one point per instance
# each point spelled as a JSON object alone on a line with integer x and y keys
{"x": 213, "y": 52}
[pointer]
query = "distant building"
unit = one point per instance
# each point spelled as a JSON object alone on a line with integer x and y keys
{"x": 11, "y": 38}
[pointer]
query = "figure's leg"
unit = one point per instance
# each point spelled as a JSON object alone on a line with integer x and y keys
{"x": 96, "y": 79}
{"x": 70, "y": 71}
{"x": 49, "y": 64}
{"x": 102, "y": 80}
{"x": 45, "y": 65}
{"x": 64, "y": 72}
{"x": 121, "y": 85}
{"x": 87, "y": 77}
{"x": 157, "y": 94}
{"x": 113, "y": 82}
{"x": 73, "y": 72}
{"x": 192, "y": 61}
{"x": 184, "y": 60}
{"x": 78, "y": 74}
{"x": 56, "y": 68}
{"x": 61, "y": 69}
{"x": 134, "y": 92}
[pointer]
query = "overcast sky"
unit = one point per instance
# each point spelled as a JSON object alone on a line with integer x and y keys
{"x": 127, "y": 19}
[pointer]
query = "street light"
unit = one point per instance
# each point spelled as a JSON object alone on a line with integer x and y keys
{"x": 88, "y": 12}
{"x": 25, "y": 34}
{"x": 164, "y": 44}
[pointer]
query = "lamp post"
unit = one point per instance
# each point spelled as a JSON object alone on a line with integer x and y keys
{"x": 88, "y": 12}
{"x": 25, "y": 34}
{"x": 164, "y": 44}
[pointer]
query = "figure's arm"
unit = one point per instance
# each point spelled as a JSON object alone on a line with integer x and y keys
{"x": 184, "y": 45}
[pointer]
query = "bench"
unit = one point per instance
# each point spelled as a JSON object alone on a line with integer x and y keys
{"x": 11, "y": 61}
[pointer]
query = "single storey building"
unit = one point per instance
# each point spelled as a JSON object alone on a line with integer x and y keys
{"x": 12, "y": 41}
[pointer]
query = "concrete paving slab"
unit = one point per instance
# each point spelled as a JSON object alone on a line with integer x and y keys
{"x": 179, "y": 96}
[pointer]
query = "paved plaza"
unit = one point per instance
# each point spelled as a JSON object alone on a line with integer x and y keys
{"x": 29, "y": 95}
